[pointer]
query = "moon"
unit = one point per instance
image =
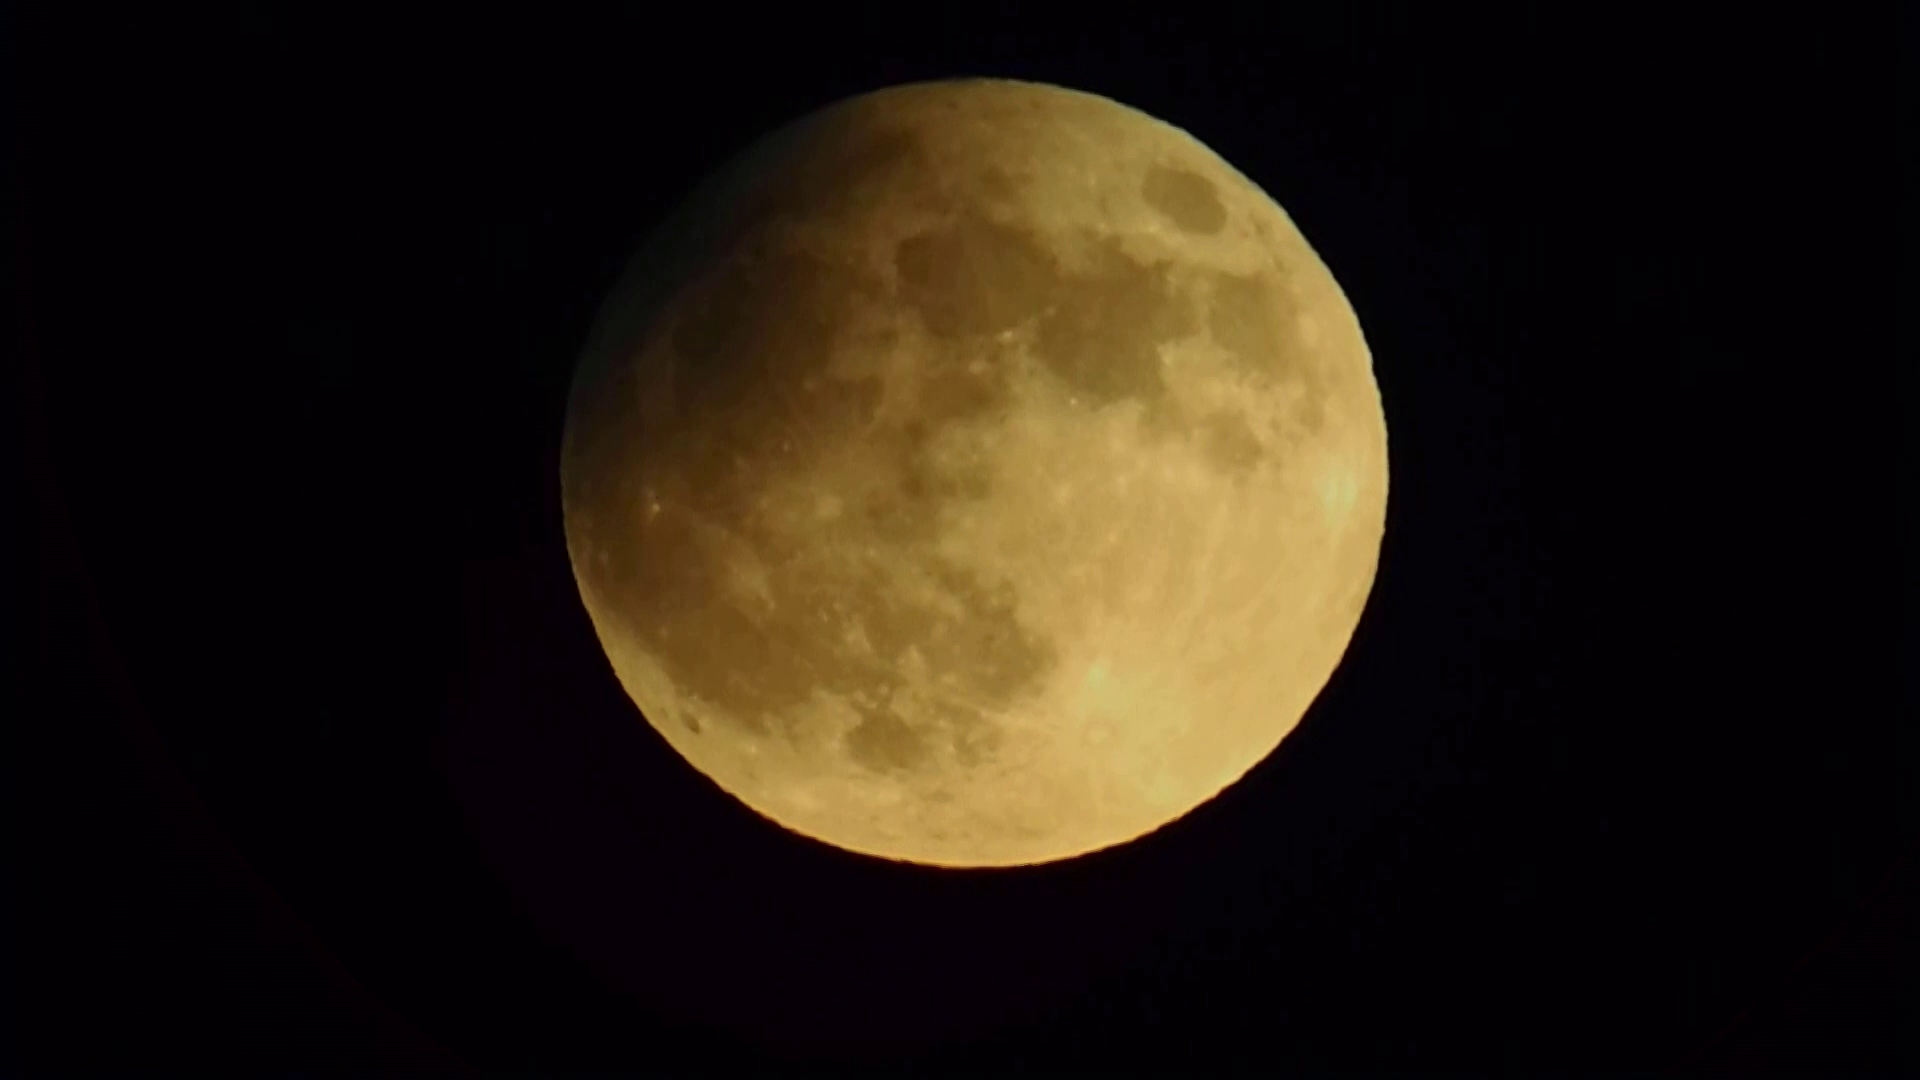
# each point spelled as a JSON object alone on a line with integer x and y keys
{"x": 975, "y": 473}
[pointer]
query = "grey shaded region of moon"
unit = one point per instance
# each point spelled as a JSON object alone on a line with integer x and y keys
{"x": 975, "y": 473}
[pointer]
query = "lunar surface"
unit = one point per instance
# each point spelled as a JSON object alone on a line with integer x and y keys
{"x": 975, "y": 473}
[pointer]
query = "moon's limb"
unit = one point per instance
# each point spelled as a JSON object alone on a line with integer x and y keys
{"x": 976, "y": 473}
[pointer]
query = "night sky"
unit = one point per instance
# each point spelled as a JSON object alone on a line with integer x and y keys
{"x": 317, "y": 761}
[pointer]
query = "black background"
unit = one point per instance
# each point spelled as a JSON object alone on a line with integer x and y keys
{"x": 322, "y": 763}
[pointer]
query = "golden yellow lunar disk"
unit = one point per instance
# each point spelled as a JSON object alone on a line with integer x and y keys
{"x": 975, "y": 473}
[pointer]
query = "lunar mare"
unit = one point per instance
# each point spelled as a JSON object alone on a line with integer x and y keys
{"x": 975, "y": 473}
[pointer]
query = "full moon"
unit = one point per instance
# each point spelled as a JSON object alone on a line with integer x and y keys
{"x": 975, "y": 473}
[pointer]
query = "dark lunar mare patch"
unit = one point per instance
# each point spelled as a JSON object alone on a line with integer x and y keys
{"x": 1099, "y": 330}
{"x": 883, "y": 742}
{"x": 1244, "y": 319}
{"x": 1255, "y": 320}
{"x": 1187, "y": 199}
{"x": 1229, "y": 444}
{"x": 1103, "y": 329}
{"x": 975, "y": 277}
